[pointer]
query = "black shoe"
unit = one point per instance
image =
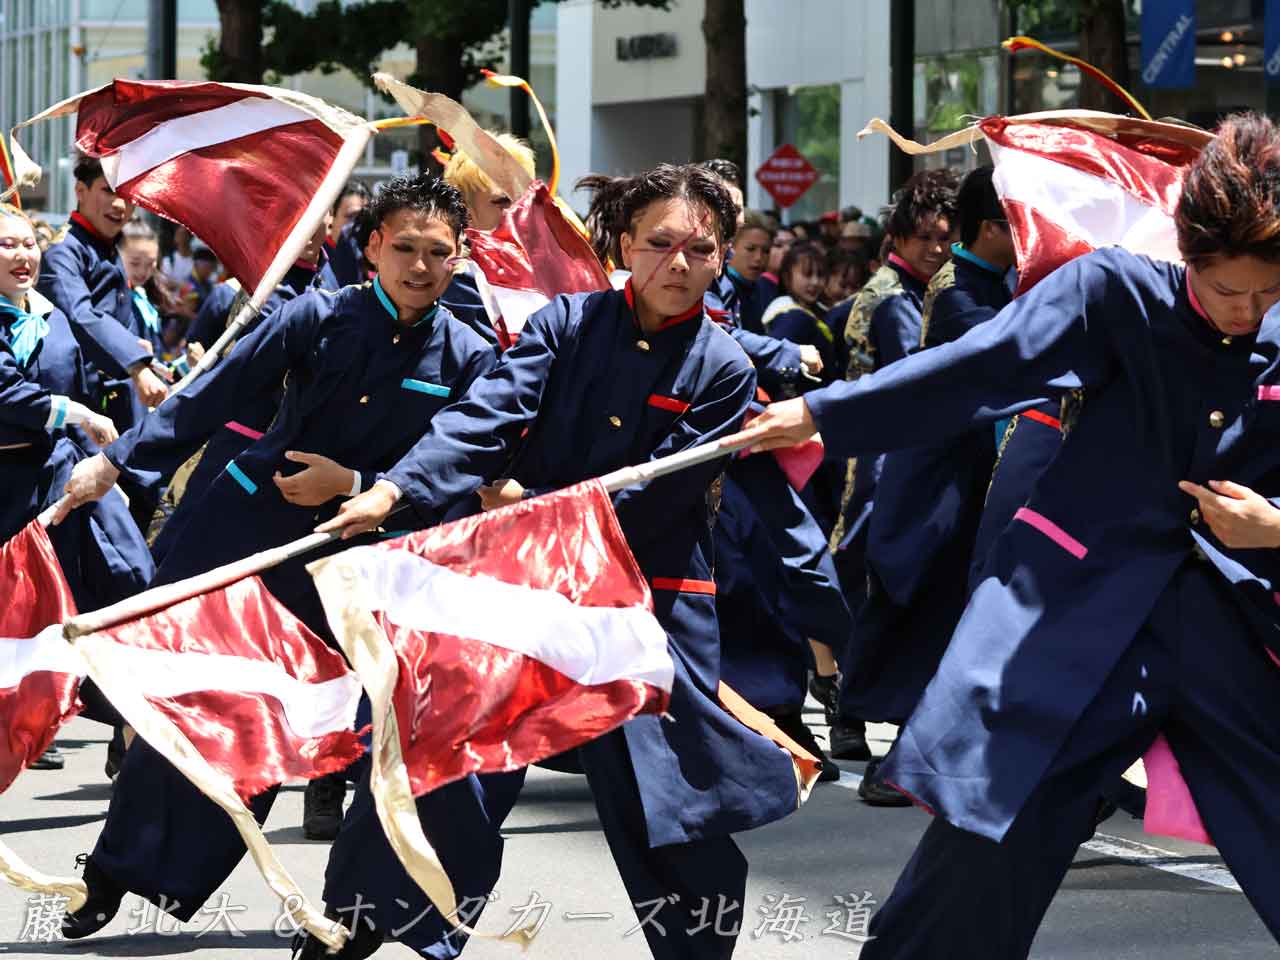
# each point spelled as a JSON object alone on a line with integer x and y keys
{"x": 876, "y": 793}
{"x": 99, "y": 909}
{"x": 363, "y": 943}
{"x": 51, "y": 759}
{"x": 826, "y": 690}
{"x": 115, "y": 755}
{"x": 322, "y": 807}
{"x": 849, "y": 740}
{"x": 794, "y": 727}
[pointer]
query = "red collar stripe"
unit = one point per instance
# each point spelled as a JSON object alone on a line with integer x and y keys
{"x": 901, "y": 264}
{"x": 667, "y": 403}
{"x": 691, "y": 313}
{"x": 1046, "y": 419}
{"x": 678, "y": 585}
{"x": 1195, "y": 302}
{"x": 78, "y": 217}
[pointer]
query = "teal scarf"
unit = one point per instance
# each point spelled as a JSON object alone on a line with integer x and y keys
{"x": 150, "y": 315}
{"x": 23, "y": 331}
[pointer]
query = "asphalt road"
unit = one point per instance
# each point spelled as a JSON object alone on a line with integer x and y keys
{"x": 1128, "y": 897}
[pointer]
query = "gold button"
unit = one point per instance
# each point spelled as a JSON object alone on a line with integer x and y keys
{"x": 615, "y": 422}
{"x": 642, "y": 345}
{"x": 1226, "y": 341}
{"x": 1195, "y": 515}
{"x": 365, "y": 398}
{"x": 1217, "y": 419}
{"x": 396, "y": 338}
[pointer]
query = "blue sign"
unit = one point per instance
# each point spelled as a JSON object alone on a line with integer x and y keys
{"x": 1271, "y": 41}
{"x": 1169, "y": 43}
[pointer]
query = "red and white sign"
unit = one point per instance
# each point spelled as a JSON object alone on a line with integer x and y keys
{"x": 787, "y": 175}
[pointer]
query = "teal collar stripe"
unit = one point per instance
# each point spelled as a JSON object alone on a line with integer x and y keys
{"x": 734, "y": 273}
{"x": 241, "y": 478}
{"x": 391, "y": 307}
{"x": 433, "y": 389}
{"x": 958, "y": 250}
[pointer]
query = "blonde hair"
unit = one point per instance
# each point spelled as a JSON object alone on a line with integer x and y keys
{"x": 9, "y": 210}
{"x": 463, "y": 173}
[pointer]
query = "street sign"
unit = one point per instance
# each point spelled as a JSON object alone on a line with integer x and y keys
{"x": 786, "y": 175}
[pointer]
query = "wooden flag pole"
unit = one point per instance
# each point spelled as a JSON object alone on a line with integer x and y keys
{"x": 158, "y": 598}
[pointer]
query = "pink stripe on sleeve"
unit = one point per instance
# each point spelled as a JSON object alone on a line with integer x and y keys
{"x": 1052, "y": 531}
{"x": 244, "y": 431}
{"x": 1268, "y": 393}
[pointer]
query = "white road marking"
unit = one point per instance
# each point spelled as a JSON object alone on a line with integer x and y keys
{"x": 1158, "y": 859}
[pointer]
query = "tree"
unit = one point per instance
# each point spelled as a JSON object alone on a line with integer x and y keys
{"x": 724, "y": 127}
{"x": 236, "y": 56}
{"x": 453, "y": 41}
{"x": 1101, "y": 26}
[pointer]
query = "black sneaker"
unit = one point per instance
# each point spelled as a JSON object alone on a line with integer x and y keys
{"x": 363, "y": 943}
{"x": 849, "y": 740}
{"x": 99, "y": 909}
{"x": 826, "y": 690}
{"x": 322, "y": 807}
{"x": 51, "y": 759}
{"x": 876, "y": 793}
{"x": 794, "y": 727}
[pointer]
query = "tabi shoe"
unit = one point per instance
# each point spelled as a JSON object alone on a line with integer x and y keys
{"x": 51, "y": 759}
{"x": 103, "y": 904}
{"x": 794, "y": 727}
{"x": 322, "y": 807}
{"x": 826, "y": 690}
{"x": 875, "y": 793}
{"x": 849, "y": 740}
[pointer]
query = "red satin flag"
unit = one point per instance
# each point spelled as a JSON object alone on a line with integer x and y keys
{"x": 39, "y": 673}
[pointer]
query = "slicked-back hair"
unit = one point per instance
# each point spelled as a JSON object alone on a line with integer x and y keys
{"x": 726, "y": 170}
{"x": 617, "y": 202}
{"x": 87, "y": 169}
{"x": 138, "y": 229}
{"x": 422, "y": 193}
{"x": 928, "y": 193}
{"x": 977, "y": 201}
{"x": 1230, "y": 203}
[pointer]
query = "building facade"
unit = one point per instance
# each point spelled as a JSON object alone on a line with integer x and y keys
{"x": 53, "y": 49}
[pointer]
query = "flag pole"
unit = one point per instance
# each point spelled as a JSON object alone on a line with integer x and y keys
{"x": 158, "y": 598}
{"x": 348, "y": 156}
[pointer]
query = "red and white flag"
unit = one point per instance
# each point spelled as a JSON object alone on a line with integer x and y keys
{"x": 491, "y": 643}
{"x": 1072, "y": 184}
{"x": 518, "y": 634}
{"x": 208, "y": 155}
{"x": 534, "y": 254}
{"x": 260, "y": 697}
{"x": 39, "y": 671}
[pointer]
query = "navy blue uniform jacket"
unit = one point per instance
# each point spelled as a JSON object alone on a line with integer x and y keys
{"x": 597, "y": 394}
{"x": 920, "y": 539}
{"x": 360, "y": 389}
{"x": 1069, "y": 583}
{"x": 99, "y": 546}
{"x": 83, "y": 276}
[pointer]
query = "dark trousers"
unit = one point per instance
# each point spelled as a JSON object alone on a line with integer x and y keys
{"x": 1197, "y": 671}
{"x": 463, "y": 824}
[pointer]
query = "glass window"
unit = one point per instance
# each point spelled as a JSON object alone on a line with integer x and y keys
{"x": 810, "y": 120}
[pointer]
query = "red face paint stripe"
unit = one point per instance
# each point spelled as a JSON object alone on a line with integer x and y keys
{"x": 707, "y": 587}
{"x": 1046, "y": 419}
{"x": 667, "y": 403}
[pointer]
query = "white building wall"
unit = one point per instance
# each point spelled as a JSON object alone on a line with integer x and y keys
{"x": 811, "y": 42}
{"x": 617, "y": 115}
